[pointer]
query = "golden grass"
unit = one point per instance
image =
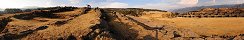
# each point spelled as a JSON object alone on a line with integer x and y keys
{"x": 210, "y": 26}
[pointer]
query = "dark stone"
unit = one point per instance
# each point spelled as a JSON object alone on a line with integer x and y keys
{"x": 71, "y": 37}
{"x": 42, "y": 28}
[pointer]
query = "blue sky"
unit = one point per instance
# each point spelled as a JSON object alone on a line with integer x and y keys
{"x": 153, "y": 4}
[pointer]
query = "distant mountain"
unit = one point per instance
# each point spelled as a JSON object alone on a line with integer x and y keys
{"x": 183, "y": 10}
{"x": 30, "y": 7}
{"x": 1, "y": 12}
{"x": 1, "y": 9}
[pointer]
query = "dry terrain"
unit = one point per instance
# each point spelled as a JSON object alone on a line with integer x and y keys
{"x": 115, "y": 24}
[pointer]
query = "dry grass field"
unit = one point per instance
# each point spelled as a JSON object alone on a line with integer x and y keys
{"x": 210, "y": 26}
{"x": 203, "y": 26}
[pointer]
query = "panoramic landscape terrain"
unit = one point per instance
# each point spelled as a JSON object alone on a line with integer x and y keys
{"x": 122, "y": 20}
{"x": 82, "y": 23}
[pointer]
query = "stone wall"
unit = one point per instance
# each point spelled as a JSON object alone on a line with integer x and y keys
{"x": 139, "y": 11}
{"x": 162, "y": 14}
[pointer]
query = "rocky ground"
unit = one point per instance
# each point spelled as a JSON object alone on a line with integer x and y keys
{"x": 105, "y": 24}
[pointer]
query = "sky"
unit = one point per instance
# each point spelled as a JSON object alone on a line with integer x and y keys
{"x": 151, "y": 4}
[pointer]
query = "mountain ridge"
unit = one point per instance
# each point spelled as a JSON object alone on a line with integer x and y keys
{"x": 187, "y": 9}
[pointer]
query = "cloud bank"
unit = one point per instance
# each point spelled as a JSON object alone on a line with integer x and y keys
{"x": 153, "y": 4}
{"x": 75, "y": 1}
{"x": 188, "y": 2}
{"x": 115, "y": 5}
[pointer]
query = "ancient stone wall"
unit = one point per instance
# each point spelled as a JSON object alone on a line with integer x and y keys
{"x": 139, "y": 11}
{"x": 163, "y": 14}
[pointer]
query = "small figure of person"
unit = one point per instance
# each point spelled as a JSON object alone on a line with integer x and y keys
{"x": 96, "y": 8}
{"x": 88, "y": 6}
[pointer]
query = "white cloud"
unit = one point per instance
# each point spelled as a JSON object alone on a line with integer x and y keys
{"x": 220, "y": 2}
{"x": 115, "y": 5}
{"x": 163, "y": 6}
{"x": 174, "y": 4}
{"x": 155, "y": 4}
{"x": 151, "y": 6}
{"x": 23, "y": 3}
{"x": 235, "y": 1}
{"x": 188, "y": 2}
{"x": 75, "y": 1}
{"x": 160, "y": 6}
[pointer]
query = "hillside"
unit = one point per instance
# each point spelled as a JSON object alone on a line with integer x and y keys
{"x": 1, "y": 11}
{"x": 183, "y": 10}
{"x": 215, "y": 12}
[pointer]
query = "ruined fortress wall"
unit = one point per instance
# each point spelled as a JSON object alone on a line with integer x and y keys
{"x": 159, "y": 14}
{"x": 141, "y": 12}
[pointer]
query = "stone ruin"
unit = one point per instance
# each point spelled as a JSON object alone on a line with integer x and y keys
{"x": 138, "y": 11}
{"x": 215, "y": 12}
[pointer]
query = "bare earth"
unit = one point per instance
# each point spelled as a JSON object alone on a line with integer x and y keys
{"x": 203, "y": 26}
